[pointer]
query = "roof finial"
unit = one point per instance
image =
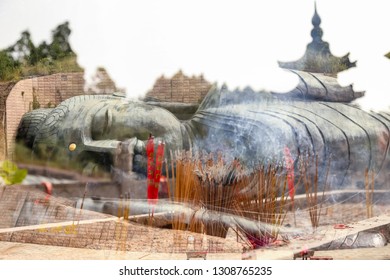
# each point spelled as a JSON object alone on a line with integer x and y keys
{"x": 318, "y": 57}
{"x": 316, "y": 20}
{"x": 316, "y": 32}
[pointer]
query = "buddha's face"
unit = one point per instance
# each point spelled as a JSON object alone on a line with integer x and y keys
{"x": 126, "y": 119}
{"x": 92, "y": 130}
{"x": 129, "y": 120}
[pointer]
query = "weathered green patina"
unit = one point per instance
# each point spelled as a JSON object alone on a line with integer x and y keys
{"x": 316, "y": 118}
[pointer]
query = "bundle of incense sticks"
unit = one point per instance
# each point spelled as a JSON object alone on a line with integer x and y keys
{"x": 311, "y": 185}
{"x": 289, "y": 165}
{"x": 264, "y": 200}
{"x": 154, "y": 168}
{"x": 185, "y": 190}
{"x": 218, "y": 183}
{"x": 207, "y": 181}
{"x": 369, "y": 184}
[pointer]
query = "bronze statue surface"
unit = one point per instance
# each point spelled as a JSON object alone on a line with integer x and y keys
{"x": 316, "y": 117}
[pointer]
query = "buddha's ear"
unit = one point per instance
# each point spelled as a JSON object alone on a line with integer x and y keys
{"x": 108, "y": 121}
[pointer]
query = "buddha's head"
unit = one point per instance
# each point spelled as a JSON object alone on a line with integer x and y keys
{"x": 84, "y": 131}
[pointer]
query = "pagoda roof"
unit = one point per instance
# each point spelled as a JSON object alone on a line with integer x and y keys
{"x": 318, "y": 57}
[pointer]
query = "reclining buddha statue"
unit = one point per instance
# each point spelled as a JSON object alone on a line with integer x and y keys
{"x": 317, "y": 117}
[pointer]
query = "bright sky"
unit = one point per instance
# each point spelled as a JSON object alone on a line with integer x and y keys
{"x": 235, "y": 42}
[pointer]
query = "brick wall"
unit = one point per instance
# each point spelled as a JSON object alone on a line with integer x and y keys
{"x": 102, "y": 83}
{"x": 180, "y": 88}
{"x": 28, "y": 217}
{"x": 48, "y": 91}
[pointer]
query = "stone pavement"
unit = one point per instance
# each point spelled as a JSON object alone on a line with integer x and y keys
{"x": 100, "y": 236}
{"x": 26, "y": 251}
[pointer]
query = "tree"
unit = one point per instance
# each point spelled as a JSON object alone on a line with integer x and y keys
{"x": 43, "y": 50}
{"x": 25, "y": 59}
{"x": 24, "y": 50}
{"x": 60, "y": 47}
{"x": 9, "y": 67}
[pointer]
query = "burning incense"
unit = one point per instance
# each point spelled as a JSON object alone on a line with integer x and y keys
{"x": 167, "y": 176}
{"x": 265, "y": 202}
{"x": 311, "y": 185}
{"x": 126, "y": 211}
{"x": 369, "y": 184}
{"x": 289, "y": 162}
{"x": 208, "y": 182}
{"x": 82, "y": 203}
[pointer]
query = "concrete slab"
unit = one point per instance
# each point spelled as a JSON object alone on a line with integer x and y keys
{"x": 107, "y": 237}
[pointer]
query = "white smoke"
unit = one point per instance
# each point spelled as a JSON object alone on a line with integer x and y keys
{"x": 370, "y": 77}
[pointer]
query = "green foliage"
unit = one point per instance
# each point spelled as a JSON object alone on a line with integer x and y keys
{"x": 387, "y": 55}
{"x": 47, "y": 66}
{"x": 24, "y": 59}
{"x": 9, "y": 68}
{"x": 35, "y": 103}
{"x": 60, "y": 47}
{"x": 24, "y": 49}
{"x": 11, "y": 174}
